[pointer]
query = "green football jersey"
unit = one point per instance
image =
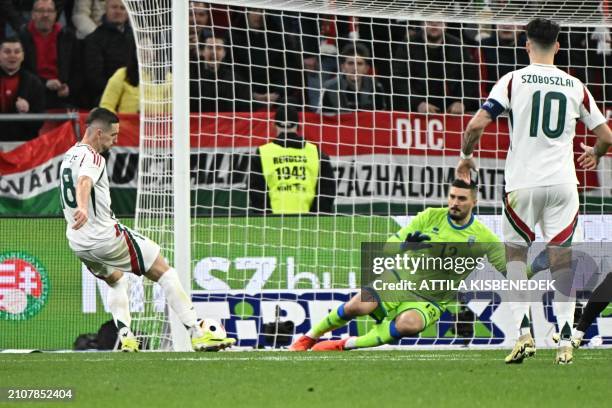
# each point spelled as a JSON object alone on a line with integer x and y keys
{"x": 475, "y": 241}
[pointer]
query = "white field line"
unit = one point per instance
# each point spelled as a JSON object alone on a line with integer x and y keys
{"x": 305, "y": 357}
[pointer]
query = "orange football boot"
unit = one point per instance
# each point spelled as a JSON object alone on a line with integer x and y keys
{"x": 330, "y": 345}
{"x": 304, "y": 343}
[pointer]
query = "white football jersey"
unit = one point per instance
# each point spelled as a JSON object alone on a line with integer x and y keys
{"x": 543, "y": 104}
{"x": 82, "y": 160}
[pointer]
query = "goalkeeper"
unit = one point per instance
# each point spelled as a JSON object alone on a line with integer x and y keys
{"x": 397, "y": 319}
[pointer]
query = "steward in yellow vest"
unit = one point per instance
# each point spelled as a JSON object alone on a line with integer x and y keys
{"x": 290, "y": 175}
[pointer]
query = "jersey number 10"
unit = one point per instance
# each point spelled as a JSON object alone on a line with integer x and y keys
{"x": 535, "y": 114}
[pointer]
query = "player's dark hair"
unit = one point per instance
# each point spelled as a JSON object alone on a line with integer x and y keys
{"x": 543, "y": 32}
{"x": 462, "y": 184}
{"x": 101, "y": 115}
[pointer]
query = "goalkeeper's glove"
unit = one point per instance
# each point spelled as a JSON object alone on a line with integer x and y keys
{"x": 414, "y": 241}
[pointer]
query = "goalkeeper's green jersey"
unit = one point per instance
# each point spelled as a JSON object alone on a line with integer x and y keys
{"x": 476, "y": 240}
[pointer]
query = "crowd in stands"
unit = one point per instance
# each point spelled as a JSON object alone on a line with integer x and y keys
{"x": 77, "y": 54}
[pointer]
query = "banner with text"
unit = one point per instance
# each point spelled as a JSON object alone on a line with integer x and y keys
{"x": 380, "y": 159}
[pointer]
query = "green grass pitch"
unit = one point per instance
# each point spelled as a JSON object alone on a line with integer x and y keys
{"x": 396, "y": 378}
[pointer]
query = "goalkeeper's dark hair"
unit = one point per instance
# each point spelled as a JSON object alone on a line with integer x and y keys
{"x": 102, "y": 115}
{"x": 543, "y": 32}
{"x": 462, "y": 184}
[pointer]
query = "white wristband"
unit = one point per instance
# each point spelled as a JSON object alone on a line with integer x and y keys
{"x": 464, "y": 156}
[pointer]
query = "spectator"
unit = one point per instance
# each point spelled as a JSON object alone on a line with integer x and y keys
{"x": 290, "y": 175}
{"x": 122, "y": 92}
{"x": 259, "y": 53}
{"x": 199, "y": 26}
{"x": 600, "y": 65}
{"x": 215, "y": 86}
{"x": 378, "y": 35}
{"x": 20, "y": 92}
{"x": 319, "y": 46}
{"x": 354, "y": 88}
{"x": 107, "y": 49}
{"x": 503, "y": 52}
{"x": 14, "y": 14}
{"x": 87, "y": 16}
{"x": 572, "y": 54}
{"x": 51, "y": 52}
{"x": 11, "y": 16}
{"x": 585, "y": 54}
{"x": 319, "y": 37}
{"x": 435, "y": 74}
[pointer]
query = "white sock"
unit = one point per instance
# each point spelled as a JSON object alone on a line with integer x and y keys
{"x": 310, "y": 333}
{"x": 125, "y": 332}
{"x": 516, "y": 271}
{"x": 195, "y": 331}
{"x": 119, "y": 302}
{"x": 177, "y": 299}
{"x": 351, "y": 343}
{"x": 578, "y": 334}
{"x": 563, "y": 307}
{"x": 564, "y": 302}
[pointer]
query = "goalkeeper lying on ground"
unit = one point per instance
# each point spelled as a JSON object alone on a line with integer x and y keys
{"x": 414, "y": 312}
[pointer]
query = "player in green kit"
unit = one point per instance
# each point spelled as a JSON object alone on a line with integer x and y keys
{"x": 397, "y": 319}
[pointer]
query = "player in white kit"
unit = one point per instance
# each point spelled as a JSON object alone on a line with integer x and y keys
{"x": 543, "y": 104}
{"x": 109, "y": 249}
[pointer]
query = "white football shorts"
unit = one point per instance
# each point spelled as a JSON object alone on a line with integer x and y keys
{"x": 127, "y": 252}
{"x": 554, "y": 208}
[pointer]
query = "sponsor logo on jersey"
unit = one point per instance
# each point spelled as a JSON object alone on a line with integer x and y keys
{"x": 24, "y": 286}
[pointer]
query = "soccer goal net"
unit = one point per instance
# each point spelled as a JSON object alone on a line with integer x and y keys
{"x": 383, "y": 90}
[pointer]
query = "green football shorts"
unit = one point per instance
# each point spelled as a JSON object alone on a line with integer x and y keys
{"x": 396, "y": 302}
{"x": 430, "y": 312}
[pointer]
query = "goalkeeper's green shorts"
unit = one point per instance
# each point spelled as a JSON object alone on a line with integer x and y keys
{"x": 397, "y": 302}
{"x": 430, "y": 312}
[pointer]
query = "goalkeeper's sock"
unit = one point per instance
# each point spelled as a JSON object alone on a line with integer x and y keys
{"x": 177, "y": 298}
{"x": 516, "y": 271}
{"x": 383, "y": 333}
{"x": 119, "y": 302}
{"x": 334, "y": 320}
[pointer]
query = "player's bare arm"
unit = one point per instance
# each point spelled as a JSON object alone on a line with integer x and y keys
{"x": 471, "y": 137}
{"x": 589, "y": 159}
{"x": 83, "y": 191}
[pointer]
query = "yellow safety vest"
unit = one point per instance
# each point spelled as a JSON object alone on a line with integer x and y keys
{"x": 291, "y": 176}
